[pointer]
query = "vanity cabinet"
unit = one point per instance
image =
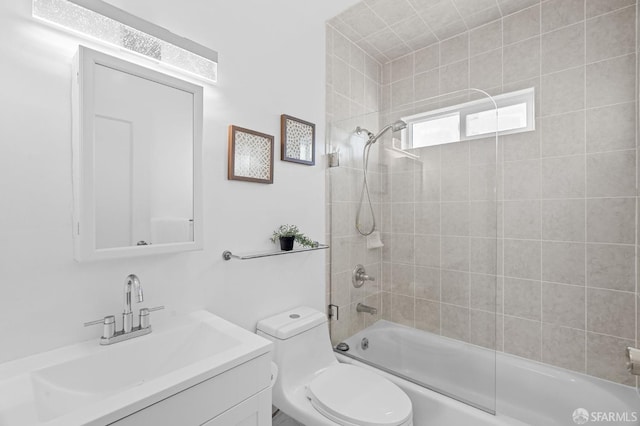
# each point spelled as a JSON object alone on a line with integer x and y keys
{"x": 237, "y": 397}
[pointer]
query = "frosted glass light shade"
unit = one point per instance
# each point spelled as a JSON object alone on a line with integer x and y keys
{"x": 108, "y": 24}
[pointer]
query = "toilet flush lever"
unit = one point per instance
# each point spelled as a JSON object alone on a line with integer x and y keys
{"x": 359, "y": 276}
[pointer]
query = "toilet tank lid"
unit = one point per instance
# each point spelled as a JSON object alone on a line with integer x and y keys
{"x": 290, "y": 323}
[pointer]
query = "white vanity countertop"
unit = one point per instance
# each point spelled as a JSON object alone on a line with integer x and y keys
{"x": 101, "y": 384}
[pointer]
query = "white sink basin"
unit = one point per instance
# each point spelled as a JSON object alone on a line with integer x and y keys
{"x": 89, "y": 383}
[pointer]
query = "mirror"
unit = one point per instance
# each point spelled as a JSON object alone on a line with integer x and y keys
{"x": 137, "y": 159}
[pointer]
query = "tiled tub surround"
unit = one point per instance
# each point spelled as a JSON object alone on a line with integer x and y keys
{"x": 566, "y": 285}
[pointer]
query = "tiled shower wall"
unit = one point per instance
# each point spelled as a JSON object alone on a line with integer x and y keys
{"x": 353, "y": 99}
{"x": 566, "y": 207}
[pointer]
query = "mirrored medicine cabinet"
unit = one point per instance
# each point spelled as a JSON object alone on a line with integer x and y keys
{"x": 137, "y": 168}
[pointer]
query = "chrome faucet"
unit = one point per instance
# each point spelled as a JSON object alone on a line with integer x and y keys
{"x": 368, "y": 309}
{"x": 127, "y": 316}
{"x": 109, "y": 333}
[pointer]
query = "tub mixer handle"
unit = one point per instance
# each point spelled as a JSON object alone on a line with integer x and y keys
{"x": 359, "y": 276}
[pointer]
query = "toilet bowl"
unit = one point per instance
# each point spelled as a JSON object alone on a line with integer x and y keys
{"x": 314, "y": 389}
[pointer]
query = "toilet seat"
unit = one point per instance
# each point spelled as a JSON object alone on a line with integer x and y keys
{"x": 353, "y": 396}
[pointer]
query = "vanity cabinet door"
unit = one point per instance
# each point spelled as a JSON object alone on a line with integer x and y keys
{"x": 210, "y": 399}
{"x": 255, "y": 411}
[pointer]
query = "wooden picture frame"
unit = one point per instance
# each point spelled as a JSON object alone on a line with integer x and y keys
{"x": 250, "y": 155}
{"x": 297, "y": 140}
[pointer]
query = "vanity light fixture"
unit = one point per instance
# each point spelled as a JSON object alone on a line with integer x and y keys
{"x": 111, "y": 25}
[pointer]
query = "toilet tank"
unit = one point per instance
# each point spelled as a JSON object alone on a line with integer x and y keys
{"x": 302, "y": 347}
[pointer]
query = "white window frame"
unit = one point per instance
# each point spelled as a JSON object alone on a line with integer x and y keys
{"x": 526, "y": 96}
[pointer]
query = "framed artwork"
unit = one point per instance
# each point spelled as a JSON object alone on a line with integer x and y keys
{"x": 298, "y": 140}
{"x": 250, "y": 155}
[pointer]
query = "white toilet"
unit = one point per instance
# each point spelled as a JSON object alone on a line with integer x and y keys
{"x": 314, "y": 389}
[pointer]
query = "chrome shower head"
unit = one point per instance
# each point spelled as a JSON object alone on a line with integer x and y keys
{"x": 396, "y": 127}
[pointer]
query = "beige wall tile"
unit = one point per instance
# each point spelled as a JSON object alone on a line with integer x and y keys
{"x": 521, "y": 25}
{"x": 427, "y": 251}
{"x": 606, "y": 358}
{"x": 455, "y": 322}
{"x": 611, "y": 174}
{"x": 454, "y": 184}
{"x": 599, "y": 7}
{"x": 454, "y": 77}
{"x": 427, "y": 316}
{"x": 482, "y": 183}
{"x": 455, "y": 218}
{"x": 521, "y": 146}
{"x": 563, "y": 177}
{"x": 611, "y": 128}
{"x": 522, "y": 219}
{"x": 485, "y": 292}
{"x": 427, "y": 58}
{"x": 402, "y": 249}
{"x": 402, "y": 310}
{"x": 611, "y": 266}
{"x": 483, "y": 219}
{"x": 486, "y": 70}
{"x": 427, "y": 185}
{"x": 483, "y": 255}
{"x": 562, "y": 134}
{"x": 402, "y": 68}
{"x": 454, "y": 49}
{"x": 483, "y": 328}
{"x": 564, "y": 347}
{"x": 402, "y": 281}
{"x": 427, "y": 283}
{"x": 402, "y": 93}
{"x": 563, "y": 305}
{"x": 563, "y": 92}
{"x": 563, "y": 262}
{"x": 427, "y": 218}
{"x": 521, "y": 60}
{"x": 485, "y": 38}
{"x": 522, "y": 180}
{"x": 427, "y": 84}
{"x": 402, "y": 218}
{"x": 611, "y": 81}
{"x": 455, "y": 253}
{"x": 611, "y": 35}
{"x": 563, "y": 49}
{"x": 455, "y": 288}
{"x": 522, "y": 298}
{"x": 563, "y": 220}
{"x": 611, "y": 312}
{"x": 522, "y": 259}
{"x": 611, "y": 220}
{"x": 522, "y": 337}
{"x": 560, "y": 13}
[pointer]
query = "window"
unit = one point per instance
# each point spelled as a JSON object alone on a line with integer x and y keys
{"x": 512, "y": 112}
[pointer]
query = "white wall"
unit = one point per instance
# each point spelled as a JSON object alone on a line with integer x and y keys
{"x": 271, "y": 62}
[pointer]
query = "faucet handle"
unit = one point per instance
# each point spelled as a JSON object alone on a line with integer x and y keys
{"x": 109, "y": 325}
{"x": 144, "y": 315}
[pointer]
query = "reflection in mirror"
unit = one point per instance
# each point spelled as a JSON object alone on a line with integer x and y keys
{"x": 139, "y": 191}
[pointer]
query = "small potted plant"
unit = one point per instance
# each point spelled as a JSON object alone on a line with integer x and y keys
{"x": 287, "y": 234}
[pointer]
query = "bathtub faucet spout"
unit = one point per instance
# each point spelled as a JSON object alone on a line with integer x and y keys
{"x": 368, "y": 309}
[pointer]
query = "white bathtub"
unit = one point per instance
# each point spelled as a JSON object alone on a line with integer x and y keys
{"x": 526, "y": 392}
